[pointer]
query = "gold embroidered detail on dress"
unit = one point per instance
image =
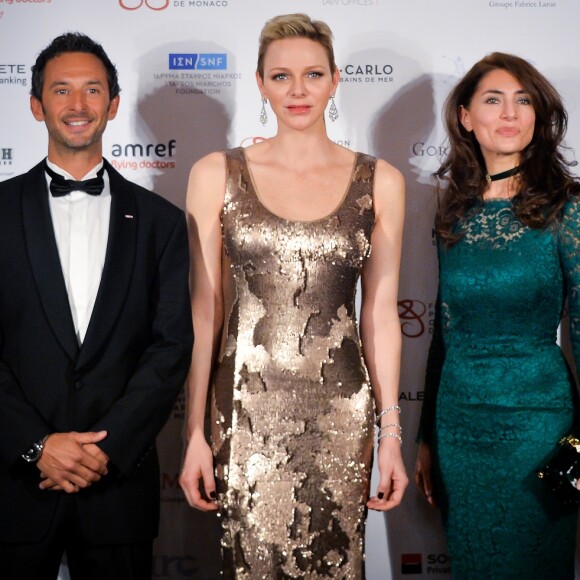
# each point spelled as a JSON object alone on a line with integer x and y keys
{"x": 292, "y": 411}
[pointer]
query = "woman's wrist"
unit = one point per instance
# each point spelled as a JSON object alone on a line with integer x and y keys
{"x": 388, "y": 413}
{"x": 388, "y": 424}
{"x": 196, "y": 432}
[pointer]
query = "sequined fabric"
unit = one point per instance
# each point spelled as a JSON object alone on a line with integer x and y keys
{"x": 499, "y": 395}
{"x": 292, "y": 411}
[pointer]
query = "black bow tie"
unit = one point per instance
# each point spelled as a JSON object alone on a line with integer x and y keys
{"x": 60, "y": 186}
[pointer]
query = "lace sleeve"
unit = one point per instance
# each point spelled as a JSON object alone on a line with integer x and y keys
{"x": 432, "y": 377}
{"x": 569, "y": 250}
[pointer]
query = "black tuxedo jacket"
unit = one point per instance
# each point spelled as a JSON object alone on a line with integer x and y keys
{"x": 124, "y": 378}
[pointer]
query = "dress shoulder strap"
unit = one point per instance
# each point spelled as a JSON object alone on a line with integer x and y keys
{"x": 360, "y": 196}
{"x": 237, "y": 174}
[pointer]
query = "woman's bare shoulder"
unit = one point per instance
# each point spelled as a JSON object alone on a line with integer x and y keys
{"x": 207, "y": 180}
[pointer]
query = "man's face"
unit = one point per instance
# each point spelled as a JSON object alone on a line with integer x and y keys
{"x": 75, "y": 103}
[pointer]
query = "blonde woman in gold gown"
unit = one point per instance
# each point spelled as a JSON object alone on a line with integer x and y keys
{"x": 280, "y": 234}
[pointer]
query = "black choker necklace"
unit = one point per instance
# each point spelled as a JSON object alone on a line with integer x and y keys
{"x": 513, "y": 171}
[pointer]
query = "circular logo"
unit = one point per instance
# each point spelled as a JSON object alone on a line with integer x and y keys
{"x": 151, "y": 4}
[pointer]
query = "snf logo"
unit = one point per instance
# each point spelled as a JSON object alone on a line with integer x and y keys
{"x": 411, "y": 314}
{"x": 151, "y": 4}
{"x": 195, "y": 61}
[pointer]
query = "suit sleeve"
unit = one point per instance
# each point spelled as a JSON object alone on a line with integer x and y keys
{"x": 22, "y": 425}
{"x": 136, "y": 418}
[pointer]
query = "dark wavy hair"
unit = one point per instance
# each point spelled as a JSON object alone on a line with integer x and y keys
{"x": 72, "y": 42}
{"x": 544, "y": 183}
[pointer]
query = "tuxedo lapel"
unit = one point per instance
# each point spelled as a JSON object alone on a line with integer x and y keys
{"x": 44, "y": 259}
{"x": 118, "y": 268}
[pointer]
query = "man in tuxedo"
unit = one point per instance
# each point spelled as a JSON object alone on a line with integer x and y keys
{"x": 95, "y": 337}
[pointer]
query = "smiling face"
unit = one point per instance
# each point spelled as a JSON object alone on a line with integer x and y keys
{"x": 298, "y": 82}
{"x": 75, "y": 104}
{"x": 502, "y": 118}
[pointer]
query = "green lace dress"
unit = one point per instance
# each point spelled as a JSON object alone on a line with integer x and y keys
{"x": 499, "y": 394}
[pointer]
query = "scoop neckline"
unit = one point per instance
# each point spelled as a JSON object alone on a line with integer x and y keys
{"x": 333, "y": 212}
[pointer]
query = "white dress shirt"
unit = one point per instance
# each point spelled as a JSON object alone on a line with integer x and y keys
{"x": 81, "y": 228}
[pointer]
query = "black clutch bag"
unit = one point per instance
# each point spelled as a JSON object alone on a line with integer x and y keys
{"x": 562, "y": 472}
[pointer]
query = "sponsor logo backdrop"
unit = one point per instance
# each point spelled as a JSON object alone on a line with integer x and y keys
{"x": 187, "y": 74}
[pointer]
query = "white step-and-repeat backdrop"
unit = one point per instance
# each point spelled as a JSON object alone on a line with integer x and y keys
{"x": 187, "y": 76}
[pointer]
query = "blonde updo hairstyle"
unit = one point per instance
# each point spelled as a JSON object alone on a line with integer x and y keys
{"x": 295, "y": 26}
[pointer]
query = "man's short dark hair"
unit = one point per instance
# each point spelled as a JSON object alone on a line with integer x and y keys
{"x": 72, "y": 42}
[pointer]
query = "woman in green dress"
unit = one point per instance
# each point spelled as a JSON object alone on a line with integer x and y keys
{"x": 499, "y": 393}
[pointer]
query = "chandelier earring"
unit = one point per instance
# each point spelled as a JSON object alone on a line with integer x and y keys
{"x": 332, "y": 111}
{"x": 263, "y": 112}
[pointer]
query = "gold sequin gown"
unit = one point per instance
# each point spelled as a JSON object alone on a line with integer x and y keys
{"x": 292, "y": 410}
